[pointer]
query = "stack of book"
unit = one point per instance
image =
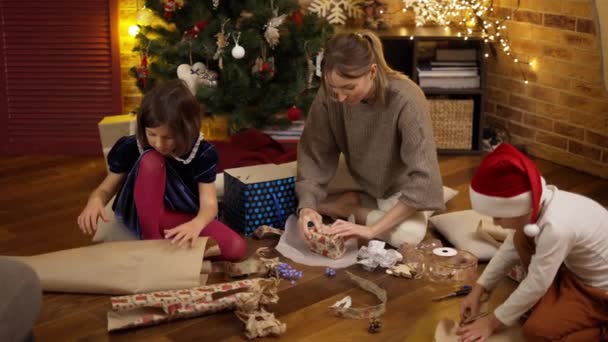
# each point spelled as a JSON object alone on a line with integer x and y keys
{"x": 451, "y": 69}
{"x": 290, "y": 134}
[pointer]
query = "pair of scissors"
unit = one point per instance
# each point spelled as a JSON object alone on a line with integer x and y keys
{"x": 462, "y": 291}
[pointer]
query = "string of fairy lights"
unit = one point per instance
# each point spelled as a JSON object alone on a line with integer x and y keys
{"x": 472, "y": 17}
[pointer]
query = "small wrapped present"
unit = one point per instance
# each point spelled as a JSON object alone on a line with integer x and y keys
{"x": 326, "y": 245}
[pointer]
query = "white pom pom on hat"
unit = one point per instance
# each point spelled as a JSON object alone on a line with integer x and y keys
{"x": 508, "y": 184}
{"x": 531, "y": 229}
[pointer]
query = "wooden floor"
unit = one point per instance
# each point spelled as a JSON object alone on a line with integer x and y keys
{"x": 40, "y": 198}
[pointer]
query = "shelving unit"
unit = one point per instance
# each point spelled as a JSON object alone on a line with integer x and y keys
{"x": 404, "y": 51}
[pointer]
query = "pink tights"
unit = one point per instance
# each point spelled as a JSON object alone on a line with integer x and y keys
{"x": 154, "y": 218}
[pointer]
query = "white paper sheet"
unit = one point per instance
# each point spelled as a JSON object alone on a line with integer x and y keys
{"x": 292, "y": 246}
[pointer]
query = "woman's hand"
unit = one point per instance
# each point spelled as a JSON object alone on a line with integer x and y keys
{"x": 87, "y": 220}
{"x": 479, "y": 330}
{"x": 185, "y": 234}
{"x": 309, "y": 215}
{"x": 346, "y": 229}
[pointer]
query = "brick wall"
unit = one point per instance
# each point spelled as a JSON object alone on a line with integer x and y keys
{"x": 562, "y": 113}
{"x": 130, "y": 93}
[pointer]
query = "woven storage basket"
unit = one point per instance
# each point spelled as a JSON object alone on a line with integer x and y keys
{"x": 452, "y": 123}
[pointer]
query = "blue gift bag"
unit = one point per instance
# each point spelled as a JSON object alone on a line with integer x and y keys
{"x": 258, "y": 195}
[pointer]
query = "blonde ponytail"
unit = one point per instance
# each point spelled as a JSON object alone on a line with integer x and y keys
{"x": 352, "y": 55}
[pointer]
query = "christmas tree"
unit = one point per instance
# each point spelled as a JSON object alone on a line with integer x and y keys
{"x": 247, "y": 59}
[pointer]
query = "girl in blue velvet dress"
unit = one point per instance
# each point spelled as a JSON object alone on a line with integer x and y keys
{"x": 163, "y": 176}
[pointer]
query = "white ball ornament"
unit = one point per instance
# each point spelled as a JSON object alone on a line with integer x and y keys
{"x": 238, "y": 52}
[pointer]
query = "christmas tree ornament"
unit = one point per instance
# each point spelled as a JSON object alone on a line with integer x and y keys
{"x": 222, "y": 43}
{"x": 216, "y": 4}
{"x": 144, "y": 16}
{"x": 336, "y": 11}
{"x": 198, "y": 27}
{"x": 319, "y": 61}
{"x": 294, "y": 113}
{"x": 271, "y": 32}
{"x": 196, "y": 75}
{"x": 170, "y": 6}
{"x": 310, "y": 67}
{"x": 310, "y": 72}
{"x": 297, "y": 18}
{"x": 238, "y": 51}
{"x": 374, "y": 14}
{"x": 142, "y": 71}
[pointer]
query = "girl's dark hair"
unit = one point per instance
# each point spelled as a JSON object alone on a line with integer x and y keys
{"x": 171, "y": 104}
{"x": 351, "y": 55}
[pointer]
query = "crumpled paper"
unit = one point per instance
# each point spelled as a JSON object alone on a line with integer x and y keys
{"x": 257, "y": 265}
{"x": 343, "y": 308}
{"x": 375, "y": 255}
{"x": 293, "y": 246}
{"x": 165, "y": 306}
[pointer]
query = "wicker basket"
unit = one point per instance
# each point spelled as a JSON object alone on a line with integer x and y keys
{"x": 452, "y": 123}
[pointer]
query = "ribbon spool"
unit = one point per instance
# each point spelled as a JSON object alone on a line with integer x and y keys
{"x": 450, "y": 265}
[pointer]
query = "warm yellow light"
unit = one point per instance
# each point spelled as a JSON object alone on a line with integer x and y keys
{"x": 533, "y": 64}
{"x": 526, "y": 81}
{"x": 516, "y": 60}
{"x": 404, "y": 10}
{"x": 486, "y": 55}
{"x": 133, "y": 30}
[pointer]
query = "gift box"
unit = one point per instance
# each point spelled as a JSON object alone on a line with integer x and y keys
{"x": 113, "y": 127}
{"x": 258, "y": 195}
{"x": 326, "y": 245}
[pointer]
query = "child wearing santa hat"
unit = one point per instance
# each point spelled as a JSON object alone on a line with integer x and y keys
{"x": 562, "y": 240}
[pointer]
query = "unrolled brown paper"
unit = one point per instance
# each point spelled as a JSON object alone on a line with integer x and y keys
{"x": 124, "y": 267}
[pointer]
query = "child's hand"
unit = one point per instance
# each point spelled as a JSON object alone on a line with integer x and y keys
{"x": 479, "y": 330}
{"x": 471, "y": 303}
{"x": 87, "y": 220}
{"x": 184, "y": 234}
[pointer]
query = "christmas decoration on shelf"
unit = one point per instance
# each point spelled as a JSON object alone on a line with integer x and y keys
{"x": 472, "y": 17}
{"x": 247, "y": 60}
{"x": 336, "y": 11}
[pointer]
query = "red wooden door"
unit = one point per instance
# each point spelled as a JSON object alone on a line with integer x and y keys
{"x": 59, "y": 74}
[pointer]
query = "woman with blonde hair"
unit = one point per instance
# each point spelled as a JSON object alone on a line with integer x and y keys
{"x": 378, "y": 119}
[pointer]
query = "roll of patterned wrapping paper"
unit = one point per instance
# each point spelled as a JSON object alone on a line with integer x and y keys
{"x": 450, "y": 265}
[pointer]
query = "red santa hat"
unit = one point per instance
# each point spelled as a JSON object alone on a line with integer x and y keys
{"x": 508, "y": 184}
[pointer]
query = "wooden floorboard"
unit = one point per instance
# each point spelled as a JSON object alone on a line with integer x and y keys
{"x": 41, "y": 197}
